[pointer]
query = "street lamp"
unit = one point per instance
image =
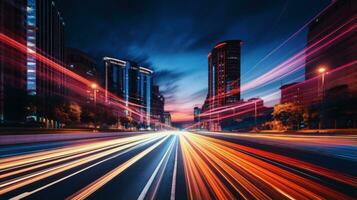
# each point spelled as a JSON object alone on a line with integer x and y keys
{"x": 94, "y": 86}
{"x": 322, "y": 70}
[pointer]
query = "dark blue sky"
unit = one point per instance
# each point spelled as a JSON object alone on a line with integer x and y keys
{"x": 174, "y": 37}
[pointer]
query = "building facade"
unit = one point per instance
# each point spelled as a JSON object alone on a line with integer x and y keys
{"x": 45, "y": 36}
{"x": 224, "y": 62}
{"x": 331, "y": 38}
{"x": 196, "y": 114}
{"x": 82, "y": 64}
{"x": 167, "y": 119}
{"x": 132, "y": 83}
{"x": 330, "y": 67}
{"x": 12, "y": 62}
{"x": 85, "y": 66}
{"x": 157, "y": 104}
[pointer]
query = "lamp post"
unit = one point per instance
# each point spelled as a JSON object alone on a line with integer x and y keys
{"x": 321, "y": 70}
{"x": 255, "y": 113}
{"x": 94, "y": 86}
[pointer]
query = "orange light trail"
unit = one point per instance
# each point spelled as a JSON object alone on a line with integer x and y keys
{"x": 66, "y": 158}
{"x": 249, "y": 177}
{"x": 91, "y": 188}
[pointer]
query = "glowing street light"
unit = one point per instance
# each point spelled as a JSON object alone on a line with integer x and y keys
{"x": 322, "y": 70}
{"x": 94, "y": 86}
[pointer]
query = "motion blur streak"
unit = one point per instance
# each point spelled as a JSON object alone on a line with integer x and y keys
{"x": 218, "y": 169}
{"x": 87, "y": 152}
{"x": 91, "y": 188}
{"x": 156, "y": 177}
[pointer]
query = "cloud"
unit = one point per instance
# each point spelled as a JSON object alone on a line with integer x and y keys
{"x": 152, "y": 25}
{"x": 168, "y": 81}
{"x": 201, "y": 94}
{"x": 145, "y": 30}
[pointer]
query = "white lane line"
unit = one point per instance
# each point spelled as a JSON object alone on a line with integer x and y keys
{"x": 97, "y": 184}
{"x": 26, "y": 194}
{"x": 161, "y": 174}
{"x": 173, "y": 185}
{"x": 154, "y": 174}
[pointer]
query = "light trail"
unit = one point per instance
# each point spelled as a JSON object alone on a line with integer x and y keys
{"x": 157, "y": 174}
{"x": 34, "y": 158}
{"x": 248, "y": 176}
{"x": 76, "y": 83}
{"x": 21, "y": 181}
{"x": 288, "y": 39}
{"x": 26, "y": 194}
{"x": 91, "y": 188}
{"x": 320, "y": 141}
{"x": 174, "y": 175}
{"x": 213, "y": 167}
{"x": 345, "y": 144}
{"x": 288, "y": 67}
{"x": 310, "y": 94}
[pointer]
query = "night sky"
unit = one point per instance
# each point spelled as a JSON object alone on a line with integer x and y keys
{"x": 174, "y": 37}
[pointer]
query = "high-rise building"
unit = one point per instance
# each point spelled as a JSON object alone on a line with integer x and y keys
{"x": 196, "y": 114}
{"x": 39, "y": 25}
{"x": 167, "y": 118}
{"x": 45, "y": 36}
{"x": 85, "y": 66}
{"x": 224, "y": 63}
{"x": 12, "y": 62}
{"x": 82, "y": 64}
{"x": 130, "y": 82}
{"x": 157, "y": 103}
{"x": 332, "y": 38}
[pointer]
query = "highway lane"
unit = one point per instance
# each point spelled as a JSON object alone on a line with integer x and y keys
{"x": 65, "y": 171}
{"x": 182, "y": 165}
{"x": 226, "y": 166}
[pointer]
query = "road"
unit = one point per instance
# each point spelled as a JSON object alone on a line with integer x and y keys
{"x": 182, "y": 165}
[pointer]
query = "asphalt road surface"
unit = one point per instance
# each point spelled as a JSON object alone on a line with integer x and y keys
{"x": 182, "y": 165}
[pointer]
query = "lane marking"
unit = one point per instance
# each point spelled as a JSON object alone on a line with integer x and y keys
{"x": 94, "y": 186}
{"x": 158, "y": 167}
{"x": 26, "y": 194}
{"x": 28, "y": 179}
{"x": 174, "y": 174}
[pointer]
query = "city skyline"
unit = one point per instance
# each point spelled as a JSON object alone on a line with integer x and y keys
{"x": 151, "y": 99}
{"x": 180, "y": 54}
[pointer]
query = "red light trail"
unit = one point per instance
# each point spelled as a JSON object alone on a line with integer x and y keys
{"x": 76, "y": 83}
{"x": 219, "y": 169}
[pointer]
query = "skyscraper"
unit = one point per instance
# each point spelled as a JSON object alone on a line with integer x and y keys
{"x": 45, "y": 36}
{"x": 12, "y": 62}
{"x": 167, "y": 118}
{"x": 157, "y": 103}
{"x": 85, "y": 66}
{"x": 81, "y": 63}
{"x": 224, "y": 73}
{"x": 131, "y": 82}
{"x": 196, "y": 114}
{"x": 333, "y": 30}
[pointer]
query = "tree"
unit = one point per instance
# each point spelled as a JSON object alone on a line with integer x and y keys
{"x": 88, "y": 115}
{"x": 66, "y": 112}
{"x": 61, "y": 115}
{"x": 289, "y": 116}
{"x": 74, "y": 112}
